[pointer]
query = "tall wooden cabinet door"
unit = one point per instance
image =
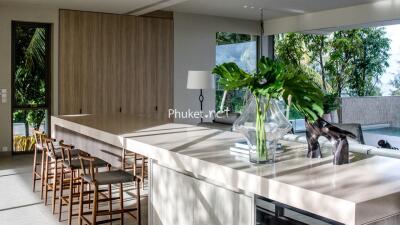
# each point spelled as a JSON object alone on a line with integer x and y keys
{"x": 129, "y": 76}
{"x": 172, "y": 197}
{"x": 69, "y": 85}
{"x": 216, "y": 206}
{"x": 90, "y": 38}
{"x": 164, "y": 74}
{"x": 108, "y": 92}
{"x": 144, "y": 101}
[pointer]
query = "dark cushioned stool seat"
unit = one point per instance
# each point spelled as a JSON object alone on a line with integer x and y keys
{"x": 76, "y": 163}
{"x": 111, "y": 177}
{"x": 74, "y": 154}
{"x": 40, "y": 147}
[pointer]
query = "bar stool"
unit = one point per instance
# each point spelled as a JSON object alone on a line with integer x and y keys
{"x": 71, "y": 167}
{"x": 135, "y": 162}
{"x": 106, "y": 178}
{"x": 53, "y": 158}
{"x": 38, "y": 148}
{"x": 143, "y": 170}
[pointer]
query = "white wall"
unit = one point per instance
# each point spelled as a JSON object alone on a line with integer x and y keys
{"x": 27, "y": 14}
{"x": 384, "y": 12}
{"x": 194, "y": 49}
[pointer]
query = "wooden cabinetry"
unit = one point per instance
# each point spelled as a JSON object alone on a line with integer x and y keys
{"x": 176, "y": 199}
{"x": 115, "y": 64}
{"x": 70, "y": 81}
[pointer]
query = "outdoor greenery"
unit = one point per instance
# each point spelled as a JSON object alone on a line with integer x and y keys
{"x": 351, "y": 62}
{"x": 224, "y": 38}
{"x": 348, "y": 63}
{"x": 342, "y": 63}
{"x": 30, "y": 63}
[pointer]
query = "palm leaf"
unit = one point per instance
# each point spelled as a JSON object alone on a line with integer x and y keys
{"x": 35, "y": 52}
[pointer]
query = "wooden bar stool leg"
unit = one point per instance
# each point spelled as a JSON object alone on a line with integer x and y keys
{"x": 46, "y": 180}
{"x": 42, "y": 169}
{"x": 60, "y": 202}
{"x": 80, "y": 211}
{"x": 95, "y": 204}
{"x": 143, "y": 170}
{"x": 34, "y": 168}
{"x": 121, "y": 198}
{"x": 70, "y": 198}
{"x": 54, "y": 189}
{"x": 139, "y": 216}
{"x": 110, "y": 201}
{"x": 89, "y": 197}
{"x": 123, "y": 158}
{"x": 110, "y": 197}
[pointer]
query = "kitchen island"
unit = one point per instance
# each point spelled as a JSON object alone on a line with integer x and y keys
{"x": 194, "y": 179}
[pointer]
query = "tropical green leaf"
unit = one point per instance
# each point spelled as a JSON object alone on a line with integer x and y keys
{"x": 276, "y": 80}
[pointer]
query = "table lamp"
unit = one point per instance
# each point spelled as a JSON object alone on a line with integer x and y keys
{"x": 200, "y": 80}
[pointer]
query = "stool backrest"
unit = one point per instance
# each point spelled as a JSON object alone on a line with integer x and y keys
{"x": 39, "y": 137}
{"x": 83, "y": 159}
{"x": 66, "y": 152}
{"x": 49, "y": 145}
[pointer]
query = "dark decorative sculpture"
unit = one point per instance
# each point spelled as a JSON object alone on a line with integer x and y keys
{"x": 337, "y": 136}
{"x": 386, "y": 144}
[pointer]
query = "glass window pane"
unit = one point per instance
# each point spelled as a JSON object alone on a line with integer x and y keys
{"x": 242, "y": 50}
{"x": 24, "y": 121}
{"x": 30, "y": 66}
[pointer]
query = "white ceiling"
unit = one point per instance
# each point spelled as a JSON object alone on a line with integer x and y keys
{"x": 273, "y": 8}
{"x": 110, "y": 6}
{"x": 225, "y": 8}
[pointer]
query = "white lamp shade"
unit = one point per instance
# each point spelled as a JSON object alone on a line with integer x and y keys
{"x": 200, "y": 80}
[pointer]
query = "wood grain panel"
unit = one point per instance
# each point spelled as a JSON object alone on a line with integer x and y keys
{"x": 109, "y": 94}
{"x": 129, "y": 86}
{"x": 70, "y": 60}
{"x": 110, "y": 62}
{"x": 90, "y": 38}
{"x": 165, "y": 68}
{"x": 146, "y": 62}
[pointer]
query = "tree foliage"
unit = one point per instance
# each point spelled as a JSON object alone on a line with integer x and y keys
{"x": 290, "y": 48}
{"x": 318, "y": 47}
{"x": 370, "y": 61}
{"x": 351, "y": 62}
{"x": 224, "y": 38}
{"x": 341, "y": 64}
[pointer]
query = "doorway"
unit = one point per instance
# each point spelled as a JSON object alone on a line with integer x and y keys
{"x": 30, "y": 83}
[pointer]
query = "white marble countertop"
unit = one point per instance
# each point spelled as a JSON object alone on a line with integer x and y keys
{"x": 365, "y": 190}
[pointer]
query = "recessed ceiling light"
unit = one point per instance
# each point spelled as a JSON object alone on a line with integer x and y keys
{"x": 249, "y": 6}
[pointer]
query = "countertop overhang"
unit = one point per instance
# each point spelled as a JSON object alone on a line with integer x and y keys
{"x": 365, "y": 190}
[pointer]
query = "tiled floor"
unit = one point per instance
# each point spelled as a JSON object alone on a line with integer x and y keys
{"x": 20, "y": 206}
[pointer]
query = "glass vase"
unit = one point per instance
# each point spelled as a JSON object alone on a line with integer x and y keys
{"x": 262, "y": 123}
